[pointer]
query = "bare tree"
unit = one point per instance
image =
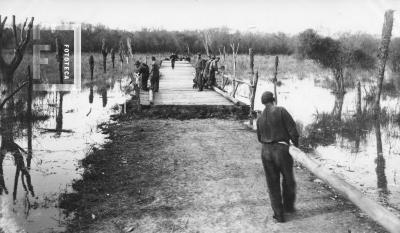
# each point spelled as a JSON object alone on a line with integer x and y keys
{"x": 8, "y": 69}
{"x": 207, "y": 42}
{"x": 129, "y": 51}
{"x": 235, "y": 49}
{"x": 383, "y": 55}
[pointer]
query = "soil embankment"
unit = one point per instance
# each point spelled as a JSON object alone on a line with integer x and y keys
{"x": 198, "y": 175}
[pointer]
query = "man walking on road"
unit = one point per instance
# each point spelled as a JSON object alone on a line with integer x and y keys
{"x": 275, "y": 129}
{"x": 143, "y": 70}
{"x": 154, "y": 74}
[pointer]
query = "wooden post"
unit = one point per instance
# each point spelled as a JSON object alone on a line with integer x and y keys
{"x": 91, "y": 65}
{"x": 380, "y": 160}
{"x": 378, "y": 213}
{"x": 276, "y": 79}
{"x": 235, "y": 50}
{"x": 251, "y": 87}
{"x": 251, "y": 54}
{"x": 104, "y": 52}
{"x": 113, "y": 57}
{"x": 383, "y": 55}
{"x": 29, "y": 126}
{"x": 121, "y": 55}
{"x": 359, "y": 109}
{"x": 253, "y": 97}
{"x": 59, "y": 57}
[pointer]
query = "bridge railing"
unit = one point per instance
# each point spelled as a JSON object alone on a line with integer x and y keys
{"x": 229, "y": 85}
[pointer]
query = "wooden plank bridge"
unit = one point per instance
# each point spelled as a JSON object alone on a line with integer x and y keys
{"x": 176, "y": 88}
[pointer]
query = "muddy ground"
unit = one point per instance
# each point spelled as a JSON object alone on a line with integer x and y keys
{"x": 198, "y": 175}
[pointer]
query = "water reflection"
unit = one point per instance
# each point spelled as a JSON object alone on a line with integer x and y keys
{"x": 8, "y": 146}
{"x": 91, "y": 94}
{"x": 103, "y": 92}
{"x": 59, "y": 114}
{"x": 337, "y": 108}
{"x": 37, "y": 161}
{"x": 380, "y": 160}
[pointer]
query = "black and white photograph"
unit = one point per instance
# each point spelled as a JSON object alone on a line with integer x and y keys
{"x": 199, "y": 116}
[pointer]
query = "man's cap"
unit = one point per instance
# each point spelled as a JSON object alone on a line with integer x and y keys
{"x": 267, "y": 97}
{"x": 137, "y": 63}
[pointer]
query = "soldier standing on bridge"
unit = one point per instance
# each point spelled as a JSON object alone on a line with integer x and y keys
{"x": 154, "y": 74}
{"x": 200, "y": 64}
{"x": 213, "y": 69}
{"x": 143, "y": 70}
{"x": 275, "y": 129}
{"x": 173, "y": 58}
{"x": 206, "y": 71}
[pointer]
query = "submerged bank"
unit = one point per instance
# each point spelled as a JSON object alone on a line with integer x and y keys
{"x": 198, "y": 175}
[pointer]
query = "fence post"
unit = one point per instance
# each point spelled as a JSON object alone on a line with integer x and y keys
{"x": 251, "y": 54}
{"x": 275, "y": 80}
{"x": 359, "y": 108}
{"x": 234, "y": 76}
{"x": 253, "y": 96}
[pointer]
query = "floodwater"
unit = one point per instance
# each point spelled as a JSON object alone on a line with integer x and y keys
{"x": 349, "y": 147}
{"x": 33, "y": 184}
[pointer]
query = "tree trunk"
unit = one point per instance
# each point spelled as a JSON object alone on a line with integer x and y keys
{"x": 337, "y": 108}
{"x": 380, "y": 160}
{"x": 29, "y": 118}
{"x": 276, "y": 79}
{"x": 383, "y": 55}
{"x": 6, "y": 88}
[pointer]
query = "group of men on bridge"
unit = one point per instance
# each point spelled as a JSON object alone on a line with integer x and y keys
{"x": 205, "y": 72}
{"x": 145, "y": 72}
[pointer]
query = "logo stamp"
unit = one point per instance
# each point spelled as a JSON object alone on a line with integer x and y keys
{"x": 66, "y": 58}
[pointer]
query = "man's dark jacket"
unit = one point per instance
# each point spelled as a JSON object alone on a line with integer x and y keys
{"x": 144, "y": 70}
{"x": 276, "y": 125}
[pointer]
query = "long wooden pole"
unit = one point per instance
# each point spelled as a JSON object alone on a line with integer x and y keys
{"x": 377, "y": 212}
{"x": 359, "y": 108}
{"x": 383, "y": 55}
{"x": 29, "y": 111}
{"x": 251, "y": 87}
{"x": 253, "y": 96}
{"x": 276, "y": 79}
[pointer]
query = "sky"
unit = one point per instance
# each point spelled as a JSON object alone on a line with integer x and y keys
{"x": 327, "y": 17}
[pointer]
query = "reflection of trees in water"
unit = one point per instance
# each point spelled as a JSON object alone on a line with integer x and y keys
{"x": 326, "y": 129}
{"x": 91, "y": 94}
{"x": 380, "y": 163}
{"x": 9, "y": 146}
{"x": 59, "y": 114}
{"x": 337, "y": 108}
{"x": 103, "y": 92}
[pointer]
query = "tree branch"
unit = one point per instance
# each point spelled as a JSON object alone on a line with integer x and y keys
{"x": 12, "y": 94}
{"x": 14, "y": 27}
{"x": 23, "y": 29}
{"x": 19, "y": 51}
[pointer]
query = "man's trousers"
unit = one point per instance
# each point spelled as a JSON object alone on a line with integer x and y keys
{"x": 277, "y": 160}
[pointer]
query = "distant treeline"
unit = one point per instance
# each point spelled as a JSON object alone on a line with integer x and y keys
{"x": 218, "y": 41}
{"x": 160, "y": 41}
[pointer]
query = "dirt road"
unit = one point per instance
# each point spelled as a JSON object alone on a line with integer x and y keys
{"x": 165, "y": 175}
